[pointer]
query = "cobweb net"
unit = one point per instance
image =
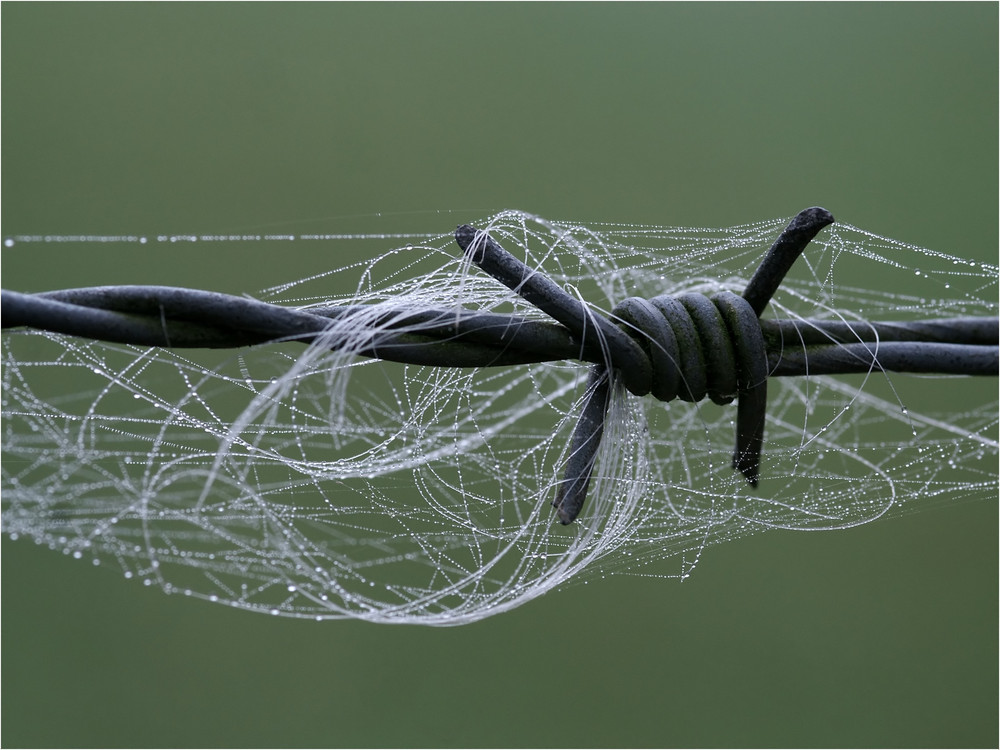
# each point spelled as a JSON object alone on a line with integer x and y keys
{"x": 310, "y": 483}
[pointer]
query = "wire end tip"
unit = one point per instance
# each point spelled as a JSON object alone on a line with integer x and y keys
{"x": 813, "y": 218}
{"x": 567, "y": 512}
{"x": 749, "y": 467}
{"x": 464, "y": 236}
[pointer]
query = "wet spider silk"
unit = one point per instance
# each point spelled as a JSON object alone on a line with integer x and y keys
{"x": 313, "y": 483}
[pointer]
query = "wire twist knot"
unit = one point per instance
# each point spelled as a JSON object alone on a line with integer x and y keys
{"x": 688, "y": 347}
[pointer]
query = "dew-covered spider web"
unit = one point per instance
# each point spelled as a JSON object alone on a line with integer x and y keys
{"x": 299, "y": 481}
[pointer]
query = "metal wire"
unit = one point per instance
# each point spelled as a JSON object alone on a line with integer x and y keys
{"x": 688, "y": 347}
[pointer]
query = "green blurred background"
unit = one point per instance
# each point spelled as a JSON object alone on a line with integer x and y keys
{"x": 230, "y": 117}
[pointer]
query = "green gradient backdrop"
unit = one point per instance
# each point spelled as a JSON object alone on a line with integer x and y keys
{"x": 150, "y": 118}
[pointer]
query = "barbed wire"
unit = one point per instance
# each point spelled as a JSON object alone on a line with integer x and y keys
{"x": 689, "y": 346}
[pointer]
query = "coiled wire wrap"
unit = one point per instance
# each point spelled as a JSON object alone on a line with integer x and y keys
{"x": 697, "y": 346}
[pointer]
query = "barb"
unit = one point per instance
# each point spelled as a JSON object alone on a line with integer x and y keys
{"x": 688, "y": 347}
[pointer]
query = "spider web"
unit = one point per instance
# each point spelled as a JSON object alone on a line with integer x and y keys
{"x": 309, "y": 483}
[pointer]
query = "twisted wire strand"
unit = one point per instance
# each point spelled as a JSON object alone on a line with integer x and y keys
{"x": 690, "y": 346}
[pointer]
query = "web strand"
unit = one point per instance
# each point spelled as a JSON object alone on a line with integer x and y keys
{"x": 310, "y": 482}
